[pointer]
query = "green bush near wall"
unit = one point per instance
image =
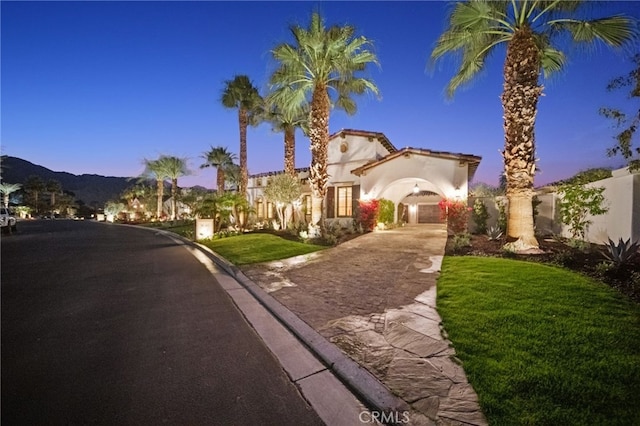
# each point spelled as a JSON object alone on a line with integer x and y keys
{"x": 387, "y": 210}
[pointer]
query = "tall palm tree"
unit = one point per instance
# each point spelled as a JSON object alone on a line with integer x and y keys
{"x": 221, "y": 159}
{"x": 53, "y": 187}
{"x": 241, "y": 94}
{"x": 173, "y": 168}
{"x": 286, "y": 118}
{"x": 154, "y": 169}
{"x": 533, "y": 32}
{"x": 7, "y": 189}
{"x": 34, "y": 185}
{"x": 320, "y": 60}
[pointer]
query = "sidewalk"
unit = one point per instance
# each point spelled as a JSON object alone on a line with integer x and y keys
{"x": 374, "y": 298}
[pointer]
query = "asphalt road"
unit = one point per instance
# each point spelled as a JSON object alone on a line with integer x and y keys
{"x": 106, "y": 324}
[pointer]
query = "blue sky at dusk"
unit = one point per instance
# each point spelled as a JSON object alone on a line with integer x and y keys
{"x": 96, "y": 87}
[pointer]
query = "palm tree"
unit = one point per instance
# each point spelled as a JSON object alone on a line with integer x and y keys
{"x": 531, "y": 31}
{"x": 232, "y": 176}
{"x": 7, "y": 189}
{"x": 221, "y": 159}
{"x": 154, "y": 169}
{"x": 173, "y": 168}
{"x": 53, "y": 187}
{"x": 34, "y": 185}
{"x": 286, "y": 118}
{"x": 241, "y": 94}
{"x": 321, "y": 60}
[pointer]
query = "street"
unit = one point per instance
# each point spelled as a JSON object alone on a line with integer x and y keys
{"x": 106, "y": 324}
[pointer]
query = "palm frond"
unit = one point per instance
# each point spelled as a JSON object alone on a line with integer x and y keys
{"x": 325, "y": 57}
{"x": 614, "y": 30}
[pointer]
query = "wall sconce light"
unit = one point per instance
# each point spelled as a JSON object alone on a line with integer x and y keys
{"x": 416, "y": 189}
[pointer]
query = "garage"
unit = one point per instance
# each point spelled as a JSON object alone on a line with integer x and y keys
{"x": 429, "y": 213}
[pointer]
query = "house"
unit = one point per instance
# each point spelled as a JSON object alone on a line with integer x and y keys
{"x": 365, "y": 165}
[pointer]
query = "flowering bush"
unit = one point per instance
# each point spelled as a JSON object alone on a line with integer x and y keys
{"x": 368, "y": 214}
{"x": 456, "y": 213}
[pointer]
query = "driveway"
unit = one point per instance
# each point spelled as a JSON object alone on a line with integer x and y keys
{"x": 375, "y": 298}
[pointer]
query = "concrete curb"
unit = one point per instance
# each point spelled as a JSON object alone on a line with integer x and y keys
{"x": 357, "y": 379}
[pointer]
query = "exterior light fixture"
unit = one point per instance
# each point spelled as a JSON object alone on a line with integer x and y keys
{"x": 416, "y": 189}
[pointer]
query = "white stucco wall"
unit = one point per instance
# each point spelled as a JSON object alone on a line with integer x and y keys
{"x": 622, "y": 197}
{"x": 360, "y": 150}
{"x": 439, "y": 175}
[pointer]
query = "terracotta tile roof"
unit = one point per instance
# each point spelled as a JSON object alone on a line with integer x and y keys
{"x": 278, "y": 172}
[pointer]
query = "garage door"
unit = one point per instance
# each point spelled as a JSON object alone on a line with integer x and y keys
{"x": 429, "y": 213}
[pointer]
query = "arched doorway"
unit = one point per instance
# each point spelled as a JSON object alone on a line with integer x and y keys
{"x": 421, "y": 207}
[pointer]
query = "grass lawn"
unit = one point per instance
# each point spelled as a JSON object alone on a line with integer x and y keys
{"x": 259, "y": 247}
{"x": 542, "y": 345}
{"x": 180, "y": 227}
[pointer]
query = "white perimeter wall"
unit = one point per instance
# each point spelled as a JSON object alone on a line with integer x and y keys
{"x": 622, "y": 197}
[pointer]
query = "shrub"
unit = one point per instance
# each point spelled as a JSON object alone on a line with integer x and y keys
{"x": 582, "y": 245}
{"x": 387, "y": 209}
{"x": 494, "y": 233}
{"x": 501, "y": 204}
{"x": 456, "y": 213}
{"x": 480, "y": 216}
{"x": 563, "y": 258}
{"x": 602, "y": 268}
{"x": 577, "y": 202}
{"x": 622, "y": 252}
{"x": 368, "y": 214}
{"x": 460, "y": 241}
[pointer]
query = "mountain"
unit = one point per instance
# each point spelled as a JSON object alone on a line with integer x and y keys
{"x": 87, "y": 188}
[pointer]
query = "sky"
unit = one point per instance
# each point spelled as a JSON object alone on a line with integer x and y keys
{"x": 97, "y": 87}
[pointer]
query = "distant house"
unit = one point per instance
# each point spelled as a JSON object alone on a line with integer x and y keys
{"x": 366, "y": 165}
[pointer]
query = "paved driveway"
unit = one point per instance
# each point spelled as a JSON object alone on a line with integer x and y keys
{"x": 374, "y": 297}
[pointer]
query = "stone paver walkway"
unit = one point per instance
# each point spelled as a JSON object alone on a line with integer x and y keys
{"x": 375, "y": 298}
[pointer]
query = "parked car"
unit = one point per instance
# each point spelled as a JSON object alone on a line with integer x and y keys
{"x": 7, "y": 220}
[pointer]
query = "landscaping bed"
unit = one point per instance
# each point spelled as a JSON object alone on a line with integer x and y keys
{"x": 587, "y": 259}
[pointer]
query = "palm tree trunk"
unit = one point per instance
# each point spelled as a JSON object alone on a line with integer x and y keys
{"x": 519, "y": 102}
{"x": 220, "y": 181}
{"x": 319, "y": 138}
{"x": 244, "y": 178}
{"x": 290, "y": 150}
{"x": 174, "y": 194}
{"x": 160, "y": 195}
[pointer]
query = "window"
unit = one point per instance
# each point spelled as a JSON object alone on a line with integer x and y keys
{"x": 344, "y": 201}
{"x": 259, "y": 209}
{"x": 306, "y": 205}
{"x": 269, "y": 210}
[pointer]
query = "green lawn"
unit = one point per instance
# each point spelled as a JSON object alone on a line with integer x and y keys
{"x": 254, "y": 248}
{"x": 180, "y": 227}
{"x": 542, "y": 345}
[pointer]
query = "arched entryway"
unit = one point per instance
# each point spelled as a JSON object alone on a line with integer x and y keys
{"x": 421, "y": 207}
